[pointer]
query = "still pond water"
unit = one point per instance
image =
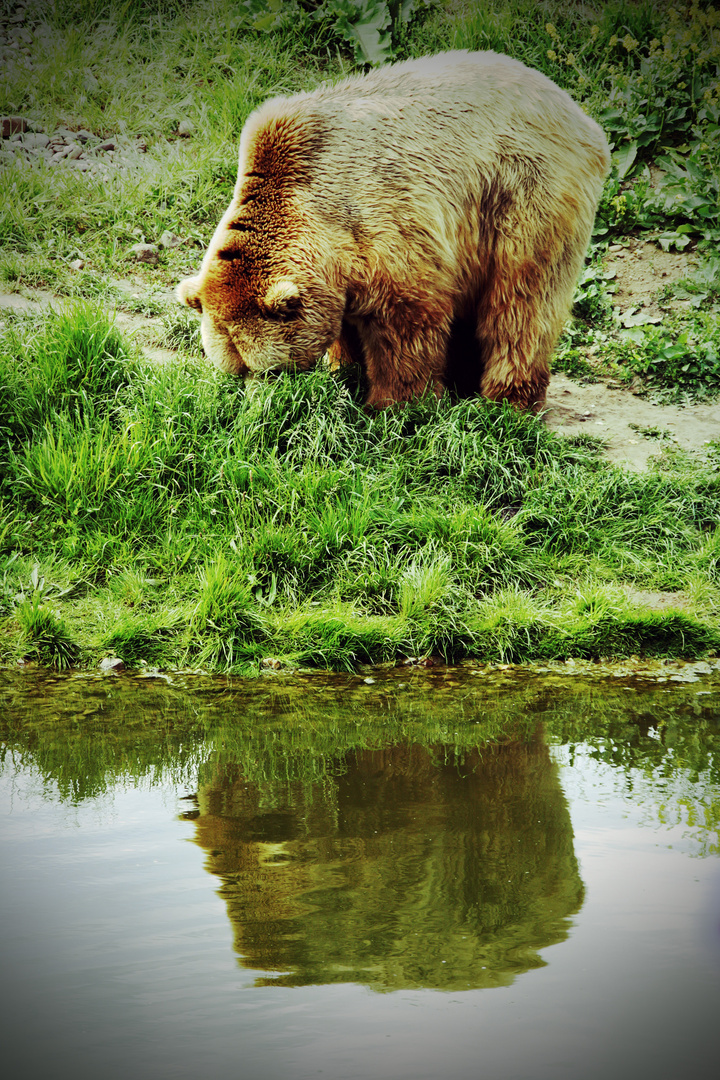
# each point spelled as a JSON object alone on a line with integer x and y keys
{"x": 423, "y": 874}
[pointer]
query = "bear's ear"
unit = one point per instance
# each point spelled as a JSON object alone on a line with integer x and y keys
{"x": 282, "y": 300}
{"x": 188, "y": 292}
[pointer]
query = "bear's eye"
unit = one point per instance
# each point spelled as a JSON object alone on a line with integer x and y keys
{"x": 282, "y": 314}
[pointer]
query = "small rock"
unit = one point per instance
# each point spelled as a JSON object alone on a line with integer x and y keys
{"x": 186, "y": 128}
{"x": 147, "y": 253}
{"x": 112, "y": 663}
{"x": 83, "y": 135}
{"x": 108, "y": 145}
{"x": 169, "y": 240}
{"x": 35, "y": 140}
{"x": 74, "y": 152}
{"x": 77, "y": 264}
{"x": 13, "y": 125}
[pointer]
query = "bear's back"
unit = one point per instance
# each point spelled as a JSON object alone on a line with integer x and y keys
{"x": 453, "y": 116}
{"x": 479, "y": 96}
{"x": 417, "y": 161}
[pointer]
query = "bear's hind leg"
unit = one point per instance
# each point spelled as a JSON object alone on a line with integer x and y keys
{"x": 516, "y": 353}
{"x": 520, "y": 315}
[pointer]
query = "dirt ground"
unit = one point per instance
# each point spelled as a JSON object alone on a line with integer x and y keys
{"x": 616, "y": 415}
{"x": 633, "y": 428}
{"x": 619, "y": 416}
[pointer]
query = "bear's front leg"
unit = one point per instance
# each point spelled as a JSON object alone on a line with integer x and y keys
{"x": 405, "y": 356}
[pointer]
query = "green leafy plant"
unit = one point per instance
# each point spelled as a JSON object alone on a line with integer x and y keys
{"x": 663, "y": 104}
{"x": 701, "y": 285}
{"x": 689, "y": 192}
{"x": 370, "y": 27}
{"x": 593, "y": 290}
{"x": 687, "y": 363}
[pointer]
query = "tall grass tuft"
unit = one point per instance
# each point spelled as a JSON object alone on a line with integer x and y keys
{"x": 44, "y": 636}
{"x": 75, "y": 362}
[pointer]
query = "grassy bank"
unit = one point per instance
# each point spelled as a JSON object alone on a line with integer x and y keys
{"x": 168, "y": 515}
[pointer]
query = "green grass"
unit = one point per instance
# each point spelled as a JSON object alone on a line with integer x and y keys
{"x": 176, "y": 519}
{"x": 185, "y": 521}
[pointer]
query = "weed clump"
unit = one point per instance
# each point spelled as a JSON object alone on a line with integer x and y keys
{"x": 43, "y": 635}
{"x": 73, "y": 364}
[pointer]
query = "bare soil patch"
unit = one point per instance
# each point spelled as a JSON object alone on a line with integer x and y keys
{"x": 141, "y": 328}
{"x": 622, "y": 418}
{"x": 619, "y": 418}
{"x": 641, "y": 270}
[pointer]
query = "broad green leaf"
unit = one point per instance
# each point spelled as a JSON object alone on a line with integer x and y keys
{"x": 624, "y": 159}
{"x": 639, "y": 318}
{"x": 634, "y": 334}
{"x": 373, "y": 34}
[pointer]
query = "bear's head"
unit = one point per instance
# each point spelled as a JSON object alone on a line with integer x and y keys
{"x": 268, "y": 289}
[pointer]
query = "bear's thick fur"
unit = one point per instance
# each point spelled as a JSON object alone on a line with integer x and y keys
{"x": 428, "y": 220}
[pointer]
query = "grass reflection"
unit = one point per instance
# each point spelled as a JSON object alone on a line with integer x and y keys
{"x": 92, "y": 731}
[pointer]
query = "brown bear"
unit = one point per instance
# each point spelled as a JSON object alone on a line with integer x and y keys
{"x": 427, "y": 220}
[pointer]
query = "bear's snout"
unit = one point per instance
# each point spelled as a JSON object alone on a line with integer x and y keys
{"x": 188, "y": 292}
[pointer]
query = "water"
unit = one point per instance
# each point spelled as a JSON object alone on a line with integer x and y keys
{"x": 436, "y": 874}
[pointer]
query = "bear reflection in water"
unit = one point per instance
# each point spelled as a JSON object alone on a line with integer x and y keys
{"x": 407, "y": 867}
